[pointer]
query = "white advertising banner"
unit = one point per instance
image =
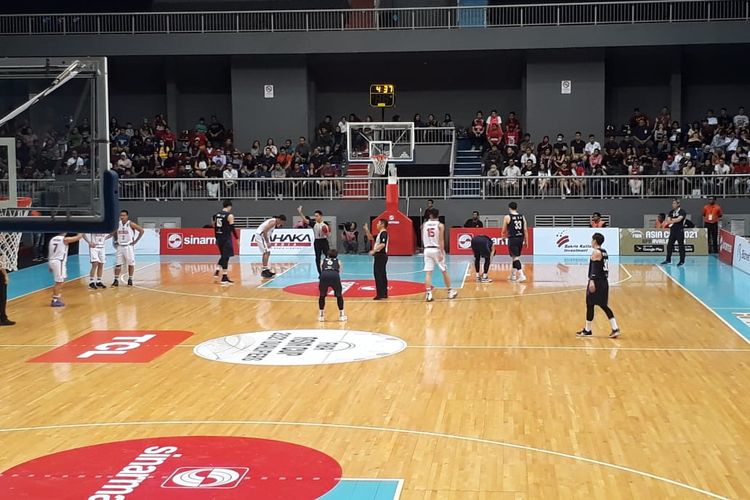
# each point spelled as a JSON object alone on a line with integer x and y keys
{"x": 741, "y": 259}
{"x": 573, "y": 240}
{"x": 148, "y": 245}
{"x": 283, "y": 242}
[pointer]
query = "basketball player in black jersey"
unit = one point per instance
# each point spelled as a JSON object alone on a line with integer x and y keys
{"x": 330, "y": 277}
{"x": 597, "y": 291}
{"x": 517, "y": 232}
{"x": 483, "y": 248}
{"x": 223, "y": 223}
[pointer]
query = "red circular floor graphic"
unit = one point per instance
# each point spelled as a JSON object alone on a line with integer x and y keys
{"x": 359, "y": 288}
{"x": 186, "y": 467}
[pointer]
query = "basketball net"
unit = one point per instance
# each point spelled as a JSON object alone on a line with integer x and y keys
{"x": 10, "y": 242}
{"x": 379, "y": 163}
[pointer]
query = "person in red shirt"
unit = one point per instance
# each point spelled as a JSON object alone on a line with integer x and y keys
{"x": 661, "y": 221}
{"x": 512, "y": 130}
{"x": 711, "y": 216}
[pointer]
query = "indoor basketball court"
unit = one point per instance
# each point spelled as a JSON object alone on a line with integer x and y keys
{"x": 489, "y": 395}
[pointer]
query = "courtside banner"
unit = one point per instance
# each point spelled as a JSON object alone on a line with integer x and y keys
{"x": 190, "y": 241}
{"x": 726, "y": 246}
{"x": 148, "y": 245}
{"x": 741, "y": 254}
{"x": 283, "y": 242}
{"x": 460, "y": 240}
{"x": 573, "y": 240}
{"x": 654, "y": 241}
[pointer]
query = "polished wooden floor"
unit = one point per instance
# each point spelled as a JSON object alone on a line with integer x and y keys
{"x": 494, "y": 398}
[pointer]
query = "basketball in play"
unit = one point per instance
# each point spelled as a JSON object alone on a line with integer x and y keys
{"x": 374, "y": 250}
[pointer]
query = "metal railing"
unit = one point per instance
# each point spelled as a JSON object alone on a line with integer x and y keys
{"x": 733, "y": 186}
{"x": 551, "y": 14}
{"x": 434, "y": 135}
{"x": 357, "y": 188}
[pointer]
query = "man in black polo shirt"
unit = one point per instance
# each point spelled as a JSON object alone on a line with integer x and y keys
{"x": 380, "y": 252}
{"x": 474, "y": 222}
{"x": 676, "y": 224}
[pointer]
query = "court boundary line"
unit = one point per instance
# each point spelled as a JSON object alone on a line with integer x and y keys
{"x": 684, "y": 288}
{"x": 367, "y": 428}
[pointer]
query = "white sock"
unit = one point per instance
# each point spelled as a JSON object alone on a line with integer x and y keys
{"x": 91, "y": 280}
{"x": 341, "y": 313}
{"x": 588, "y": 326}
{"x": 613, "y": 323}
{"x": 99, "y": 279}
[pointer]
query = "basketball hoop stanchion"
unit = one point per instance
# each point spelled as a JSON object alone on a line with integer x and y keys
{"x": 401, "y": 236}
{"x": 10, "y": 242}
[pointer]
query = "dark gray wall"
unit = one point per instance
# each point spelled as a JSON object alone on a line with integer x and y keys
{"x": 358, "y": 42}
{"x": 625, "y": 213}
{"x": 548, "y": 110}
{"x": 284, "y": 116}
{"x": 635, "y": 78}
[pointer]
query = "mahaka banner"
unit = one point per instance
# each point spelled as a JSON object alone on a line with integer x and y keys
{"x": 635, "y": 241}
{"x": 283, "y": 242}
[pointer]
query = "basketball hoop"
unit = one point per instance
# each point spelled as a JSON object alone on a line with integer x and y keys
{"x": 379, "y": 163}
{"x": 10, "y": 242}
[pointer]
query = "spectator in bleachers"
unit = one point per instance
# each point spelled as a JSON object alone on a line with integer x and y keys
{"x": 634, "y": 177}
{"x": 741, "y": 120}
{"x": 216, "y": 132}
{"x": 302, "y": 150}
{"x": 636, "y": 117}
{"x": 75, "y": 163}
{"x": 477, "y": 131}
{"x": 511, "y": 173}
{"x": 201, "y": 126}
{"x": 493, "y": 155}
{"x": 664, "y": 118}
{"x": 447, "y": 121}
{"x": 526, "y": 142}
{"x": 324, "y": 131}
{"x": 577, "y": 145}
{"x": 528, "y": 155}
{"x": 591, "y": 145}
{"x": 160, "y": 125}
{"x": 560, "y": 145}
{"x": 564, "y": 173}
{"x": 431, "y": 121}
{"x": 724, "y": 120}
{"x": 270, "y": 147}
{"x": 544, "y": 178}
{"x": 512, "y": 130}
{"x": 493, "y": 183}
{"x": 350, "y": 238}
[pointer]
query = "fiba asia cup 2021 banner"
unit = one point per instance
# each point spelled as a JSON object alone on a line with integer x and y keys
{"x": 635, "y": 241}
{"x": 573, "y": 240}
{"x": 283, "y": 242}
{"x": 460, "y": 240}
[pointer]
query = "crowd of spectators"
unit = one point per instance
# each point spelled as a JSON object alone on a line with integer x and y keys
{"x": 702, "y": 152}
{"x": 699, "y": 152}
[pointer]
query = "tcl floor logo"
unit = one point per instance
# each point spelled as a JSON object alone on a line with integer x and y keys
{"x": 206, "y": 477}
{"x": 115, "y": 346}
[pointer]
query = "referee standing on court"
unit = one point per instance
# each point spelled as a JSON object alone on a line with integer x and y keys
{"x": 320, "y": 232}
{"x": 380, "y": 252}
{"x": 676, "y": 223}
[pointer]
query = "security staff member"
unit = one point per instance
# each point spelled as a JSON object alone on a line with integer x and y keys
{"x": 711, "y": 217}
{"x": 676, "y": 223}
{"x": 320, "y": 232}
{"x": 380, "y": 252}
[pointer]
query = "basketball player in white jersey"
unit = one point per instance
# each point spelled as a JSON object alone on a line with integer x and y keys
{"x": 125, "y": 241}
{"x": 262, "y": 238}
{"x": 57, "y": 258}
{"x": 97, "y": 257}
{"x": 321, "y": 230}
{"x": 433, "y": 239}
